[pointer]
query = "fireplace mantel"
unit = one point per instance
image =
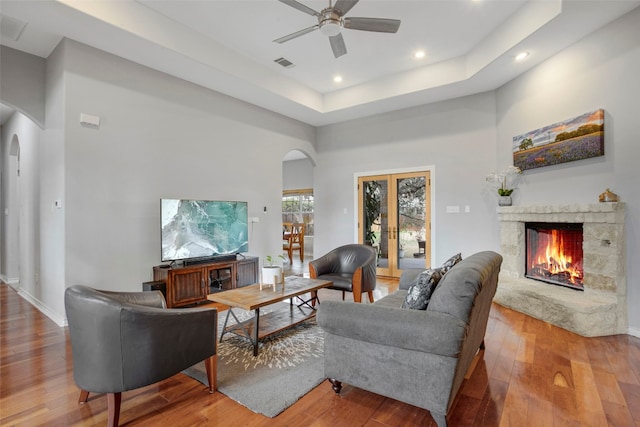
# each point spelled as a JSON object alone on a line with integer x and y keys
{"x": 598, "y": 310}
{"x": 579, "y": 212}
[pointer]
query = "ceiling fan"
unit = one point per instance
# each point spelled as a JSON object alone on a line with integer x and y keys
{"x": 331, "y": 21}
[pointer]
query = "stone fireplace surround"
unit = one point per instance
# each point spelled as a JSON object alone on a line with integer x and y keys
{"x": 601, "y": 309}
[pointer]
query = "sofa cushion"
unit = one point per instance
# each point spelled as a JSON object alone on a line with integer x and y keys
{"x": 419, "y": 293}
{"x": 393, "y": 300}
{"x": 457, "y": 290}
{"x": 341, "y": 281}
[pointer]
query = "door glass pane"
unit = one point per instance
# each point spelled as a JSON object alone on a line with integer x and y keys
{"x": 376, "y": 219}
{"x": 411, "y": 222}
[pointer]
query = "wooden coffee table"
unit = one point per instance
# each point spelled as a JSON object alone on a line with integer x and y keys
{"x": 253, "y": 298}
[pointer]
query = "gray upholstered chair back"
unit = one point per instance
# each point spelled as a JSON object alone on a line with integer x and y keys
{"x": 124, "y": 340}
{"x": 120, "y": 346}
{"x": 348, "y": 258}
{"x": 351, "y": 268}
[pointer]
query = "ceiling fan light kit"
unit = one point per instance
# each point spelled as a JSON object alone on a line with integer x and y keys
{"x": 331, "y": 21}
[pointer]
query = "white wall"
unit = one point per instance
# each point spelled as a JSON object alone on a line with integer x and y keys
{"x": 159, "y": 137}
{"x": 52, "y": 180}
{"x": 297, "y": 174}
{"x": 601, "y": 71}
{"x": 456, "y": 138}
{"x": 19, "y": 202}
{"x": 22, "y": 83}
{"x": 21, "y": 87}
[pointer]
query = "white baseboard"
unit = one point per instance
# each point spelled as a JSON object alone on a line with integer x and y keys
{"x": 14, "y": 282}
{"x": 634, "y": 332}
{"x": 60, "y": 321}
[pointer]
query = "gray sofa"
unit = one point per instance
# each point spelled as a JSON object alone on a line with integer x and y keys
{"x": 419, "y": 357}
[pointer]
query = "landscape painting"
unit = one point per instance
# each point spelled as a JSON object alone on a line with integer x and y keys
{"x": 578, "y": 138}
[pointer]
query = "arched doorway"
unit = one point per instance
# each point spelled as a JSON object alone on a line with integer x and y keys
{"x": 11, "y": 216}
{"x": 297, "y": 205}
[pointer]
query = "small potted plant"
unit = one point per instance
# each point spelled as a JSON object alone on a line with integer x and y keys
{"x": 505, "y": 183}
{"x": 272, "y": 272}
{"x": 403, "y": 242}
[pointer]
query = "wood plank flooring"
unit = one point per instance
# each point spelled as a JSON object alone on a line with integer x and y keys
{"x": 532, "y": 374}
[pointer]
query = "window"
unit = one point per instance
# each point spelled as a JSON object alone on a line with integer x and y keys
{"x": 297, "y": 206}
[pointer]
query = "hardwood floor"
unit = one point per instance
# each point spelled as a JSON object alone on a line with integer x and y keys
{"x": 532, "y": 374}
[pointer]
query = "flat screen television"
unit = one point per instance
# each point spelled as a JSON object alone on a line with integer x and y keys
{"x": 196, "y": 229}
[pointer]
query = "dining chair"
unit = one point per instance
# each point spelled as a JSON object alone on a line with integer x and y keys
{"x": 293, "y": 239}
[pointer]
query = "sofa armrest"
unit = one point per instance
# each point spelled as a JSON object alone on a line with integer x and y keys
{"x": 418, "y": 330}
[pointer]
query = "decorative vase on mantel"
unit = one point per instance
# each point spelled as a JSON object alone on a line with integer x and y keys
{"x": 504, "y": 200}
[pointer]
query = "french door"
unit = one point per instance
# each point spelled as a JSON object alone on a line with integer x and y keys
{"x": 394, "y": 216}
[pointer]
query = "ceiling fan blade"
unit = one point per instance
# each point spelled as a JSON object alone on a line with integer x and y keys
{"x": 302, "y": 8}
{"x": 296, "y": 34}
{"x": 380, "y": 25}
{"x": 337, "y": 45}
{"x": 344, "y": 6}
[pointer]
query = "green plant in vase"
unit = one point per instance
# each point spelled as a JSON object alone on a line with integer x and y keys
{"x": 272, "y": 272}
{"x": 505, "y": 182}
{"x": 270, "y": 260}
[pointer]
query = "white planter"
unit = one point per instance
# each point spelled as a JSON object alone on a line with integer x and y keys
{"x": 272, "y": 275}
{"x": 504, "y": 200}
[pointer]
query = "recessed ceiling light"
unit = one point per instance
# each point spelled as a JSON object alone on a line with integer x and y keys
{"x": 521, "y": 56}
{"x": 337, "y": 79}
{"x": 418, "y": 54}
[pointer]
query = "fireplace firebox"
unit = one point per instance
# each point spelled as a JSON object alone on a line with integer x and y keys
{"x": 554, "y": 253}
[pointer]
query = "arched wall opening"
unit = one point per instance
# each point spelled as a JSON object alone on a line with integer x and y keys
{"x": 11, "y": 216}
{"x": 298, "y": 208}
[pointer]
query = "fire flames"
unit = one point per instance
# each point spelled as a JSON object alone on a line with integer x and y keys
{"x": 555, "y": 260}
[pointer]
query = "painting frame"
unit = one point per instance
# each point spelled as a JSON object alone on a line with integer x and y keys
{"x": 577, "y": 138}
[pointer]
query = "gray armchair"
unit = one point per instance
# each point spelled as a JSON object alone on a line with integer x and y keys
{"x": 125, "y": 340}
{"x": 351, "y": 268}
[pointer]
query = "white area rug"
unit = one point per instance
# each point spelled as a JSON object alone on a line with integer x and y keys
{"x": 289, "y": 364}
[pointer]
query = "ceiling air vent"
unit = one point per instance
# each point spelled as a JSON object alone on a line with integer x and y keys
{"x": 11, "y": 28}
{"x": 284, "y": 62}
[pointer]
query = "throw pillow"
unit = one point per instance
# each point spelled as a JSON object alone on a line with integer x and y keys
{"x": 448, "y": 264}
{"x": 419, "y": 293}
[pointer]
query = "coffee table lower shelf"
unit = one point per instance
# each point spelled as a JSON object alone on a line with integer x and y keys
{"x": 282, "y": 317}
